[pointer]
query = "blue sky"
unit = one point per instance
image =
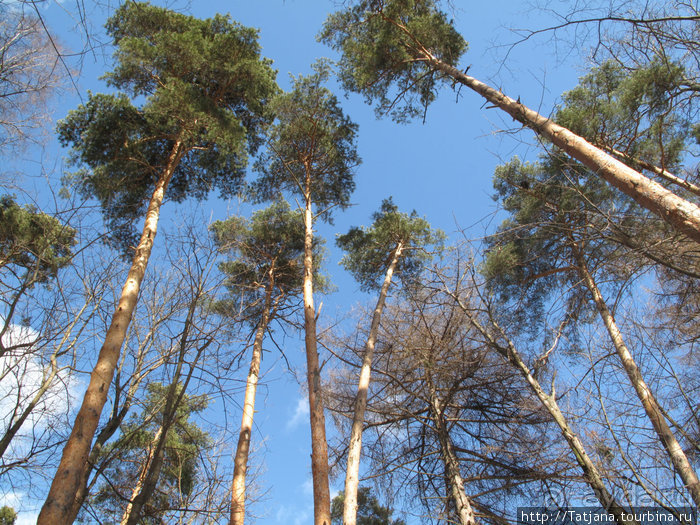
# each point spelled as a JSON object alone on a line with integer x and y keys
{"x": 441, "y": 168}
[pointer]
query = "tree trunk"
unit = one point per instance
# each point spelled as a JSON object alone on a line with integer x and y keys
{"x": 590, "y": 471}
{"x": 103, "y": 436}
{"x": 352, "y": 474}
{"x": 319, "y": 446}
{"x": 664, "y": 174}
{"x": 683, "y": 215}
{"x": 172, "y": 403}
{"x": 143, "y": 473}
{"x": 680, "y": 461}
{"x": 66, "y": 482}
{"x": 240, "y": 462}
{"x": 449, "y": 458}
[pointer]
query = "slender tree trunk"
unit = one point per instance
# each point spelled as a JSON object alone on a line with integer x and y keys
{"x": 449, "y": 457}
{"x": 680, "y": 461}
{"x": 549, "y": 401}
{"x": 66, "y": 482}
{"x": 319, "y": 446}
{"x": 240, "y": 462}
{"x": 172, "y": 402}
{"x": 352, "y": 474}
{"x": 143, "y": 474}
{"x": 678, "y": 212}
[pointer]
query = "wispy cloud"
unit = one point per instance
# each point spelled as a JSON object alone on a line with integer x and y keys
{"x": 301, "y": 413}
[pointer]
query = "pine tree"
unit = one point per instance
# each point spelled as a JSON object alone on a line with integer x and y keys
{"x": 264, "y": 278}
{"x": 398, "y": 52}
{"x": 311, "y": 155}
{"x": 204, "y": 89}
{"x": 395, "y": 243}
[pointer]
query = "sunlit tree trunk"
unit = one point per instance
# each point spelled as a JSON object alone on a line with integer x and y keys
{"x": 352, "y": 474}
{"x": 240, "y": 461}
{"x": 319, "y": 446}
{"x": 680, "y": 461}
{"x": 683, "y": 215}
{"x": 449, "y": 458}
{"x": 68, "y": 477}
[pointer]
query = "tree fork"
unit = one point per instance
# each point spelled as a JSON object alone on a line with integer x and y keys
{"x": 66, "y": 482}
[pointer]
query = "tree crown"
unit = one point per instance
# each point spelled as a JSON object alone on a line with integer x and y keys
{"x": 32, "y": 240}
{"x": 383, "y": 46}
{"x": 369, "y": 251}
{"x": 311, "y": 137}
{"x": 204, "y": 84}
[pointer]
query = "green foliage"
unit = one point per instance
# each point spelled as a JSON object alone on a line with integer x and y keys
{"x": 313, "y": 137}
{"x": 550, "y": 204}
{"x": 273, "y": 239}
{"x": 369, "y": 511}
{"x": 202, "y": 81}
{"x": 370, "y": 250}
{"x": 8, "y": 516}
{"x": 33, "y": 241}
{"x": 183, "y": 447}
{"x": 382, "y": 43}
{"x": 631, "y": 111}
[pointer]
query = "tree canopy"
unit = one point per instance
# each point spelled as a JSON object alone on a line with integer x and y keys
{"x": 200, "y": 82}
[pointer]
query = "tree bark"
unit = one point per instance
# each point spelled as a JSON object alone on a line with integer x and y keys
{"x": 319, "y": 446}
{"x": 66, "y": 482}
{"x": 143, "y": 474}
{"x": 352, "y": 474}
{"x": 678, "y": 458}
{"x": 681, "y": 214}
{"x": 240, "y": 462}
{"x": 449, "y": 458}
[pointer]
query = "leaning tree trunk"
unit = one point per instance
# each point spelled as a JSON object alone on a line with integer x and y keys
{"x": 319, "y": 446}
{"x": 68, "y": 477}
{"x": 678, "y": 212}
{"x": 449, "y": 458}
{"x": 678, "y": 458}
{"x": 240, "y": 462}
{"x": 590, "y": 472}
{"x": 352, "y": 474}
{"x": 103, "y": 436}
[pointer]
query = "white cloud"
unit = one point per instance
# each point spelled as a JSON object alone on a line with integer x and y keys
{"x": 301, "y": 413}
{"x": 308, "y": 487}
{"x": 22, "y": 373}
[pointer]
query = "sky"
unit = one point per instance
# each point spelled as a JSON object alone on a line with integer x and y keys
{"x": 442, "y": 168}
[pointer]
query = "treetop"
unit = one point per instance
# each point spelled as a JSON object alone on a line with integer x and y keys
{"x": 369, "y": 251}
{"x": 383, "y": 45}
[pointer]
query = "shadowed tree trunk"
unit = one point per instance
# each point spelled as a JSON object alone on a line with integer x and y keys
{"x": 319, "y": 446}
